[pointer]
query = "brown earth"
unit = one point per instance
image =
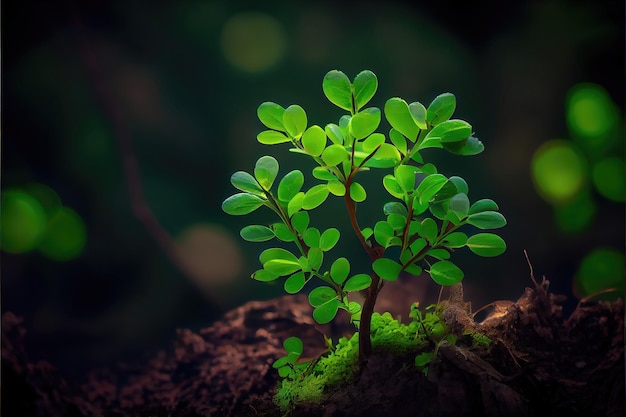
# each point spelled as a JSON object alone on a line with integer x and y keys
{"x": 540, "y": 363}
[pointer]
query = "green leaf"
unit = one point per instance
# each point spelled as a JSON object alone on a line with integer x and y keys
{"x": 329, "y": 239}
{"x": 315, "y": 258}
{"x": 321, "y": 295}
{"x": 430, "y": 186}
{"x": 418, "y": 112}
{"x": 277, "y": 253}
{"x": 358, "y": 282}
{"x": 242, "y": 203}
{"x": 430, "y": 229}
{"x": 387, "y": 269}
{"x": 391, "y": 185}
{"x": 387, "y": 156}
{"x": 265, "y": 171}
{"x": 367, "y": 233}
{"x": 455, "y": 240}
{"x": 294, "y": 120}
{"x": 357, "y": 192}
{"x": 264, "y": 275}
{"x": 314, "y": 140}
{"x": 472, "y": 146}
{"x": 315, "y": 196}
{"x": 323, "y": 173}
{"x": 295, "y": 283}
{"x": 397, "y": 221}
{"x": 448, "y": 132}
{"x": 293, "y": 346}
{"x": 339, "y": 270}
{"x": 405, "y": 175}
{"x": 441, "y": 108}
{"x": 295, "y": 204}
{"x": 365, "y": 86}
{"x": 337, "y": 89}
{"x": 383, "y": 233}
{"x": 395, "y": 207}
{"x": 365, "y": 122}
{"x": 325, "y": 313}
{"x": 290, "y": 185}
{"x": 459, "y": 204}
{"x": 399, "y": 117}
{"x": 334, "y": 133}
{"x": 418, "y": 245}
{"x": 271, "y": 115}
{"x": 246, "y": 182}
{"x": 336, "y": 187}
{"x": 487, "y": 220}
{"x": 460, "y": 184}
{"x": 439, "y": 253}
{"x": 373, "y": 142}
{"x": 272, "y": 137}
{"x": 312, "y": 237}
{"x": 283, "y": 233}
{"x": 445, "y": 273}
{"x": 300, "y": 221}
{"x": 256, "y": 233}
{"x": 334, "y": 155}
{"x": 486, "y": 244}
{"x": 483, "y": 205}
{"x": 398, "y": 141}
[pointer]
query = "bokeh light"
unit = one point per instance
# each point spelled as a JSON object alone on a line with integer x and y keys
{"x": 559, "y": 171}
{"x": 22, "y": 221}
{"x": 601, "y": 269}
{"x": 591, "y": 115}
{"x": 210, "y": 255}
{"x": 577, "y": 215}
{"x": 253, "y": 41}
{"x": 65, "y": 235}
{"x": 609, "y": 178}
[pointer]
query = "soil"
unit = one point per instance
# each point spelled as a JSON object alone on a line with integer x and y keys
{"x": 540, "y": 363}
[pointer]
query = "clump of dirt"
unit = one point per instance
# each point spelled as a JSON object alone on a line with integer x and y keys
{"x": 540, "y": 363}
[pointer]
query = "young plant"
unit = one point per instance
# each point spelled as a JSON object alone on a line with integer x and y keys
{"x": 420, "y": 227}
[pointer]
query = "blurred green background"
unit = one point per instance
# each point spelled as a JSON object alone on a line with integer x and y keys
{"x": 167, "y": 92}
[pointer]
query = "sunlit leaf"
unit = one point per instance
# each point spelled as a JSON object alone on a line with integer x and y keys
{"x": 387, "y": 156}
{"x": 314, "y": 140}
{"x": 272, "y": 137}
{"x": 323, "y": 173}
{"x": 397, "y": 221}
{"x": 429, "y": 229}
{"x": 334, "y": 155}
{"x": 294, "y": 120}
{"x": 387, "y": 269}
{"x": 455, "y": 240}
{"x": 358, "y": 282}
{"x": 486, "y": 244}
{"x": 339, "y": 270}
{"x": 487, "y": 220}
{"x": 418, "y": 245}
{"x": 472, "y": 146}
{"x": 441, "y": 108}
{"x": 445, "y": 273}
{"x": 395, "y": 207}
{"x": 271, "y": 115}
{"x": 365, "y": 85}
{"x": 338, "y": 89}
{"x": 295, "y": 283}
{"x": 430, "y": 186}
{"x": 399, "y": 141}
{"x": 372, "y": 142}
{"x": 242, "y": 203}
{"x": 295, "y": 204}
{"x": 336, "y": 187}
{"x": 315, "y": 258}
{"x": 315, "y": 196}
{"x": 357, "y": 192}
{"x": 246, "y": 182}
{"x": 257, "y": 233}
{"x": 399, "y": 117}
{"x": 383, "y": 233}
{"x": 418, "y": 113}
{"x": 391, "y": 185}
{"x": 293, "y": 345}
{"x": 290, "y": 185}
{"x": 265, "y": 171}
{"x": 334, "y": 133}
{"x": 405, "y": 175}
{"x": 365, "y": 122}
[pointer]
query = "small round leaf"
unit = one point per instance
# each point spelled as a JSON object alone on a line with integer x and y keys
{"x": 256, "y": 233}
{"x": 399, "y": 117}
{"x": 294, "y": 120}
{"x": 272, "y": 137}
{"x": 290, "y": 185}
{"x": 242, "y": 203}
{"x": 486, "y": 244}
{"x": 334, "y": 155}
{"x": 265, "y": 171}
{"x": 314, "y": 140}
{"x": 387, "y": 269}
{"x": 337, "y": 89}
{"x": 339, "y": 270}
{"x": 487, "y": 220}
{"x": 441, "y": 108}
{"x": 365, "y": 85}
{"x": 271, "y": 115}
{"x": 315, "y": 196}
{"x": 358, "y": 282}
{"x": 329, "y": 239}
{"x": 295, "y": 283}
{"x": 357, "y": 192}
{"x": 446, "y": 273}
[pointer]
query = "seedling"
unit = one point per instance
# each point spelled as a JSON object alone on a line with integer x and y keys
{"x": 420, "y": 227}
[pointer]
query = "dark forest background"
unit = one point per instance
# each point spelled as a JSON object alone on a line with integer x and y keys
{"x": 160, "y": 98}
